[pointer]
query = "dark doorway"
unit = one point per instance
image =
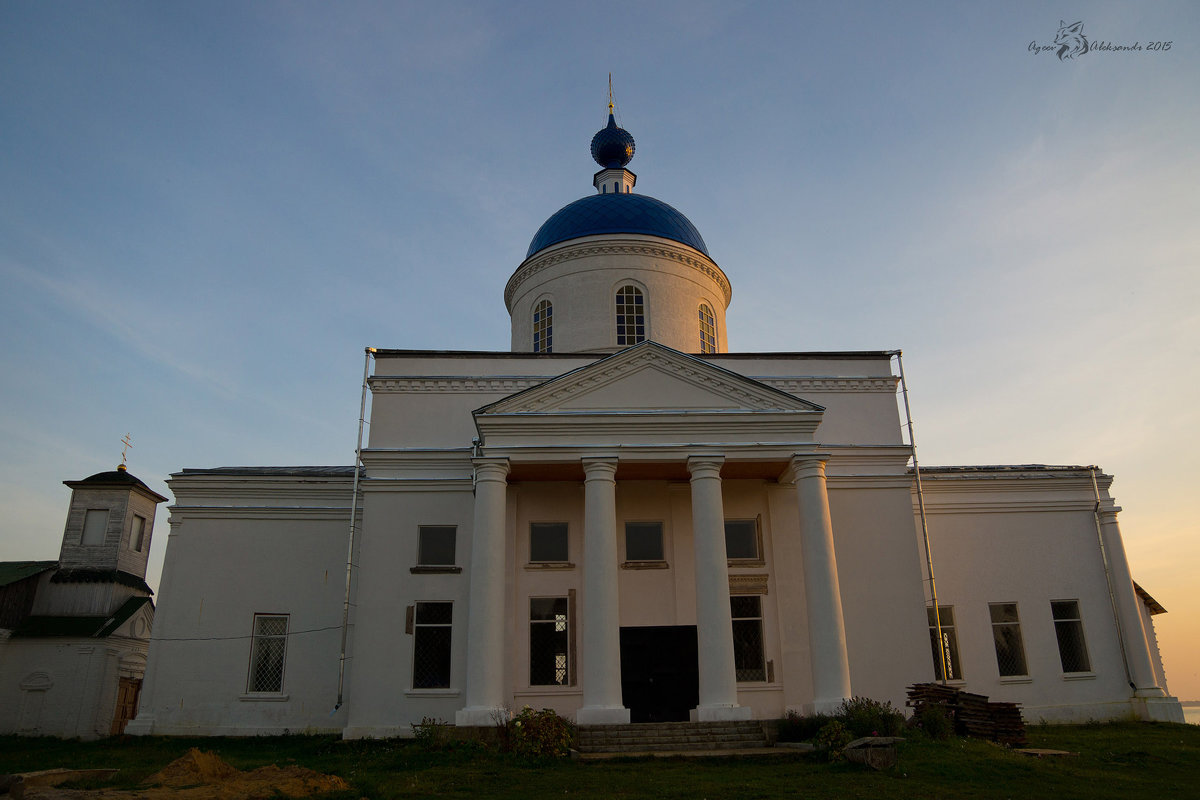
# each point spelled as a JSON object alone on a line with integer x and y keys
{"x": 660, "y": 676}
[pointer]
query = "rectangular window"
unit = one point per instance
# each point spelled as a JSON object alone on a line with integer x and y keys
{"x": 1006, "y": 635}
{"x": 435, "y": 546}
{"x": 431, "y": 645}
{"x": 1068, "y": 626}
{"x": 643, "y": 541}
{"x": 548, "y": 542}
{"x": 949, "y": 643}
{"x": 137, "y": 533}
{"x": 748, "y": 658}
{"x": 549, "y": 641}
{"x": 741, "y": 540}
{"x": 267, "y": 652}
{"x": 95, "y": 526}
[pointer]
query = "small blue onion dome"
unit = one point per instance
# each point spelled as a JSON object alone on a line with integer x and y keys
{"x": 616, "y": 213}
{"x": 612, "y": 147}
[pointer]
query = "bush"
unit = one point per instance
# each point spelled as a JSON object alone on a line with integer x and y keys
{"x": 796, "y": 727}
{"x": 430, "y": 732}
{"x": 540, "y": 734}
{"x": 866, "y": 717}
{"x": 832, "y": 739}
{"x": 932, "y": 720}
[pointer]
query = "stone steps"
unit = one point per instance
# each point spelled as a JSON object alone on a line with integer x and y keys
{"x": 664, "y": 736}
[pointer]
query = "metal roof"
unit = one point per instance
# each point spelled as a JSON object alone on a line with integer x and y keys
{"x": 616, "y": 213}
{"x": 81, "y": 627}
{"x": 13, "y": 571}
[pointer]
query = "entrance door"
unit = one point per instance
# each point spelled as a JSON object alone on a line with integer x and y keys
{"x": 660, "y": 674}
{"x": 127, "y": 703}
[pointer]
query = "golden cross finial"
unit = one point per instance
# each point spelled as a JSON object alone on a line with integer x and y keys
{"x": 610, "y": 102}
{"x": 127, "y": 444}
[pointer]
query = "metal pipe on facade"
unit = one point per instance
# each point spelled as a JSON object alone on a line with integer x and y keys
{"x": 912, "y": 443}
{"x": 362, "y": 421}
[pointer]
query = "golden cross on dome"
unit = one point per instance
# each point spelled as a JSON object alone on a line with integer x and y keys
{"x": 610, "y": 102}
{"x": 127, "y": 444}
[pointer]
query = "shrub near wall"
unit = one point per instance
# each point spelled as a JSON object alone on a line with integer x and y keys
{"x": 540, "y": 734}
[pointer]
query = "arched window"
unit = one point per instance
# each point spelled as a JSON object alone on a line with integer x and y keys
{"x": 708, "y": 330}
{"x": 543, "y": 328}
{"x": 631, "y": 316}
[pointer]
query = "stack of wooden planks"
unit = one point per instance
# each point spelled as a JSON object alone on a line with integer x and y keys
{"x": 972, "y": 714}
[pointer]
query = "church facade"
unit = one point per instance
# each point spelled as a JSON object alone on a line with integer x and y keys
{"x": 623, "y": 521}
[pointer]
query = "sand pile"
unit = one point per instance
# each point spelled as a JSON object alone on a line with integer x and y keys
{"x": 205, "y": 776}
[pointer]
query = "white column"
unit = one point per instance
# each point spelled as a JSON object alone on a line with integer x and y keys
{"x": 714, "y": 623}
{"x": 1137, "y": 651}
{"x": 601, "y": 668}
{"x": 485, "y": 616}
{"x": 826, "y": 628}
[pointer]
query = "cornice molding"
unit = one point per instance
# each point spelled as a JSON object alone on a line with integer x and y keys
{"x": 680, "y": 254}
{"x": 454, "y": 384}
{"x": 748, "y": 584}
{"x": 855, "y": 384}
{"x": 459, "y": 384}
{"x": 178, "y": 514}
{"x": 1005, "y": 506}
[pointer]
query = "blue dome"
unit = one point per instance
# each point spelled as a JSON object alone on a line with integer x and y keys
{"x": 616, "y": 213}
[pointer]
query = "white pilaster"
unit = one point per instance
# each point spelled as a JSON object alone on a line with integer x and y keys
{"x": 485, "y": 617}
{"x": 601, "y": 668}
{"x": 826, "y": 628}
{"x": 1137, "y": 651}
{"x": 714, "y": 622}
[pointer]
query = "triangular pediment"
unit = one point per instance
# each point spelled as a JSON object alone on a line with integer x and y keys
{"x": 648, "y": 377}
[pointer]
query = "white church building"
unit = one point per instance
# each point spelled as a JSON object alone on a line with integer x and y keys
{"x": 621, "y": 520}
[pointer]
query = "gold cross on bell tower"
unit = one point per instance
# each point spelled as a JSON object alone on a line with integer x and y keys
{"x": 125, "y": 449}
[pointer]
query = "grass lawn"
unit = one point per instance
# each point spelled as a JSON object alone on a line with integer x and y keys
{"x": 1122, "y": 760}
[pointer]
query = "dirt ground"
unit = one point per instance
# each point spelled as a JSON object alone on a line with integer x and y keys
{"x": 201, "y": 776}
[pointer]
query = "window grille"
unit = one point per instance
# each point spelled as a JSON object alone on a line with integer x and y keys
{"x": 548, "y": 542}
{"x": 748, "y": 661}
{"x": 549, "y": 642}
{"x": 741, "y": 540}
{"x": 138, "y": 533}
{"x": 435, "y": 546}
{"x": 95, "y": 526}
{"x": 1068, "y": 626}
{"x": 1006, "y": 635}
{"x": 631, "y": 316}
{"x": 949, "y": 643}
{"x": 708, "y": 330}
{"x": 267, "y": 653}
{"x": 431, "y": 645}
{"x": 543, "y": 328}
{"x": 643, "y": 541}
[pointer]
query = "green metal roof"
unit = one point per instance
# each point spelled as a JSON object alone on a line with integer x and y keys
{"x": 13, "y": 571}
{"x": 80, "y": 627}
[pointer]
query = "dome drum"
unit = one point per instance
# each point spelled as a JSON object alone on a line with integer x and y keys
{"x": 581, "y": 279}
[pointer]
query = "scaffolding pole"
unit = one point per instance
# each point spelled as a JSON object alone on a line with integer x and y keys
{"x": 362, "y": 421}
{"x": 912, "y": 444}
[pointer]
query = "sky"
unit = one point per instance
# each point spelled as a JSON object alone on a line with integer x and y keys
{"x": 208, "y": 210}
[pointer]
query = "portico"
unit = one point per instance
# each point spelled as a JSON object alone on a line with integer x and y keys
{"x": 545, "y": 436}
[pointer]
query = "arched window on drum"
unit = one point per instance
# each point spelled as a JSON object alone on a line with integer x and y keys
{"x": 708, "y": 330}
{"x": 543, "y": 327}
{"x": 631, "y": 316}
